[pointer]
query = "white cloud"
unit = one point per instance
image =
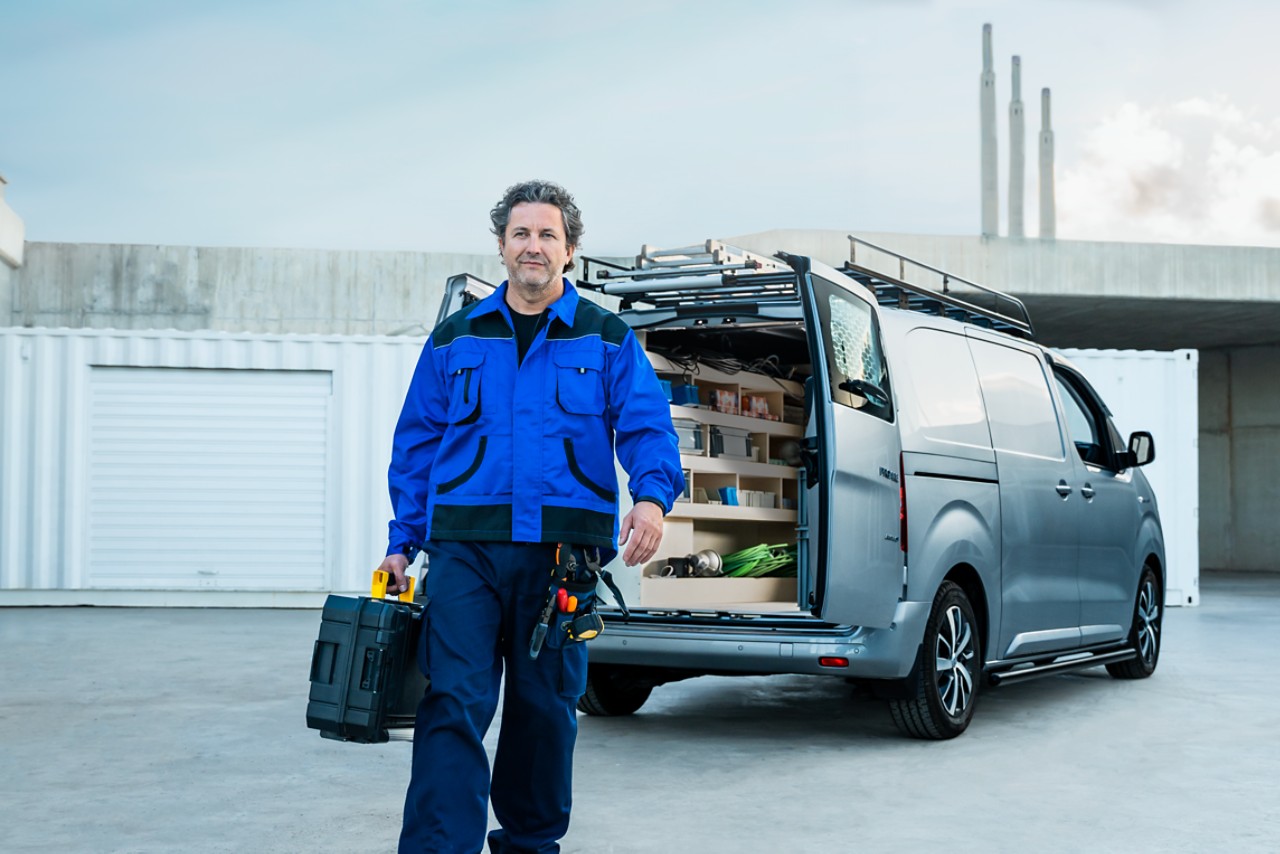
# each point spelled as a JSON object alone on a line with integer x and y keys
{"x": 1197, "y": 171}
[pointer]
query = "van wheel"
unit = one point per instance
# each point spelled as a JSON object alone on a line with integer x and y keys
{"x": 1144, "y": 635}
{"x": 612, "y": 691}
{"x": 950, "y": 671}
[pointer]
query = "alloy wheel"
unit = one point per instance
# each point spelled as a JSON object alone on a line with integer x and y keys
{"x": 955, "y": 655}
{"x": 1149, "y": 617}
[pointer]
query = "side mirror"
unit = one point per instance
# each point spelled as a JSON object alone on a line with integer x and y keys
{"x": 1142, "y": 449}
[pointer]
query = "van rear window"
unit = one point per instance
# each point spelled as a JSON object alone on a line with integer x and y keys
{"x": 853, "y": 351}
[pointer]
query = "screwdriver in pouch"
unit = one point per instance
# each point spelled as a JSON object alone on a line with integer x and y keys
{"x": 540, "y": 630}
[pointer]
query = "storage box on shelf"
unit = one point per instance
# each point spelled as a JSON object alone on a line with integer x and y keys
{"x": 739, "y": 461}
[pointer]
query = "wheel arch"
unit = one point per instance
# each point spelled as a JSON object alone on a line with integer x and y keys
{"x": 1149, "y": 547}
{"x": 968, "y": 579}
{"x": 1155, "y": 561}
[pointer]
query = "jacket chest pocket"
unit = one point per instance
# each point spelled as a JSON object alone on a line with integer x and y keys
{"x": 465, "y": 373}
{"x": 580, "y": 382}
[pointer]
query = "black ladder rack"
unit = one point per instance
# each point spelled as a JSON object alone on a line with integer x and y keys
{"x": 1006, "y": 313}
{"x": 710, "y": 273}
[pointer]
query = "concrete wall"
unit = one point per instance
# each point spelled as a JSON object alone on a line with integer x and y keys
{"x": 1240, "y": 458}
{"x": 233, "y": 290}
{"x": 1215, "y": 460}
{"x": 1255, "y": 457}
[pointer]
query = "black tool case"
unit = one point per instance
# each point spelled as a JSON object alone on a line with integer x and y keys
{"x": 364, "y": 671}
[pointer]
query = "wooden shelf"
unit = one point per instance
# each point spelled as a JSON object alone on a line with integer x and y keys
{"x": 729, "y": 512}
{"x": 742, "y": 422}
{"x": 731, "y": 465}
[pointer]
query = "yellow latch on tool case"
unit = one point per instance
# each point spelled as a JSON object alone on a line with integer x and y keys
{"x": 381, "y": 578}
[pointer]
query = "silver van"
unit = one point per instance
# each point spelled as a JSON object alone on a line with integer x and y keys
{"x": 888, "y": 481}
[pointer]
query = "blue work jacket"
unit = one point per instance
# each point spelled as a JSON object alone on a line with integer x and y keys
{"x": 489, "y": 450}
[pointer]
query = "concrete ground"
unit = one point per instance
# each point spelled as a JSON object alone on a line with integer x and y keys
{"x": 182, "y": 730}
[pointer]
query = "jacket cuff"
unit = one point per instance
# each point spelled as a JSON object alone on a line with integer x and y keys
{"x": 406, "y": 549}
{"x": 652, "y": 500}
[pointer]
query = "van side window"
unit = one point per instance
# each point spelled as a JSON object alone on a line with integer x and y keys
{"x": 941, "y": 400}
{"x": 1086, "y": 424}
{"x": 1019, "y": 406}
{"x": 855, "y": 359}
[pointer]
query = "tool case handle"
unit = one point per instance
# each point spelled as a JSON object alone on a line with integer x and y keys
{"x": 381, "y": 578}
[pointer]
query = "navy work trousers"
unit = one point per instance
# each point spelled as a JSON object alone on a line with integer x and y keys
{"x": 484, "y": 601}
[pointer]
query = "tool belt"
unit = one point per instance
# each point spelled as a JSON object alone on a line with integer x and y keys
{"x": 573, "y": 592}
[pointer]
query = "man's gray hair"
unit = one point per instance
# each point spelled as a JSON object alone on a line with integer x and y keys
{"x": 541, "y": 192}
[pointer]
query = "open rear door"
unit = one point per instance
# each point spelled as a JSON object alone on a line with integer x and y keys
{"x": 462, "y": 289}
{"x": 855, "y": 547}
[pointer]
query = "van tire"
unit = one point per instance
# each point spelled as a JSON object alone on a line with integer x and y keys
{"x": 943, "y": 702}
{"x": 613, "y": 691}
{"x": 1145, "y": 633}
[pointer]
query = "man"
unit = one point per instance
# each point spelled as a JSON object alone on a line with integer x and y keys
{"x": 504, "y": 448}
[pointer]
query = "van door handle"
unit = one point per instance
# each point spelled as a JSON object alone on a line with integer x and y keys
{"x": 1087, "y": 491}
{"x": 1063, "y": 489}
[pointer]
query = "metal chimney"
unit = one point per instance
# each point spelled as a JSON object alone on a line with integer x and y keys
{"x": 1017, "y": 154}
{"x": 1048, "y": 214}
{"x": 990, "y": 167}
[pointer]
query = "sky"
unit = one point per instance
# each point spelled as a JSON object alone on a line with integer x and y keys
{"x": 395, "y": 125}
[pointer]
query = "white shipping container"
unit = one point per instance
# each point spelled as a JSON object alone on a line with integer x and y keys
{"x": 178, "y": 468}
{"x": 1158, "y": 392}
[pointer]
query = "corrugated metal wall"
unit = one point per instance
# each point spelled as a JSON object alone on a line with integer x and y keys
{"x": 58, "y": 419}
{"x": 1158, "y": 391}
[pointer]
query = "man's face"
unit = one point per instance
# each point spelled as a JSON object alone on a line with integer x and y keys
{"x": 534, "y": 248}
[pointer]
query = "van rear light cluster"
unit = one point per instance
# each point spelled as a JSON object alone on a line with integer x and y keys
{"x": 833, "y": 661}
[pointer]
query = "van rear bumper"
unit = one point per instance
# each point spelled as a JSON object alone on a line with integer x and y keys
{"x": 881, "y": 653}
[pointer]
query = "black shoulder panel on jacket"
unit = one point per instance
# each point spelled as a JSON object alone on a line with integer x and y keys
{"x": 591, "y": 319}
{"x": 460, "y": 323}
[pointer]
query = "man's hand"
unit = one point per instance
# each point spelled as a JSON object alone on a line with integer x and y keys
{"x": 395, "y": 565}
{"x": 641, "y": 532}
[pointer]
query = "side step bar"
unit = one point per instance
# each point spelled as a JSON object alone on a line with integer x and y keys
{"x": 1010, "y": 676}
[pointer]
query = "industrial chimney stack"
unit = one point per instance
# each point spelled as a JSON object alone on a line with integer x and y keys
{"x": 990, "y": 185}
{"x": 1048, "y": 214}
{"x": 1017, "y": 154}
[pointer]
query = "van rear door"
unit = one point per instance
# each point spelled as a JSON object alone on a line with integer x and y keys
{"x": 856, "y": 553}
{"x": 462, "y": 289}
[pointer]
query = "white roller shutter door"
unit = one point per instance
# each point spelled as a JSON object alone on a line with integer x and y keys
{"x": 207, "y": 478}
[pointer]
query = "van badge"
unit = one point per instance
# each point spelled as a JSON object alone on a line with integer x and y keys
{"x": 888, "y": 475}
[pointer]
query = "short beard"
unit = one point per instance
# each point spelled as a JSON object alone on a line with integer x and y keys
{"x": 537, "y": 287}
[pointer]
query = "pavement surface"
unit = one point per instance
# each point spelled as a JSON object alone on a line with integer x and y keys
{"x": 150, "y": 730}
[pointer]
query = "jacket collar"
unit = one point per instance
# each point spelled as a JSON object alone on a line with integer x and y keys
{"x": 564, "y": 308}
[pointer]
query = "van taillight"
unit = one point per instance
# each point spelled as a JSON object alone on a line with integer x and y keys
{"x": 902, "y": 504}
{"x": 833, "y": 661}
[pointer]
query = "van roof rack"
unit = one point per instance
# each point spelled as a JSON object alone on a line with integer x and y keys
{"x": 716, "y": 276}
{"x": 712, "y": 272}
{"x": 1006, "y": 313}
